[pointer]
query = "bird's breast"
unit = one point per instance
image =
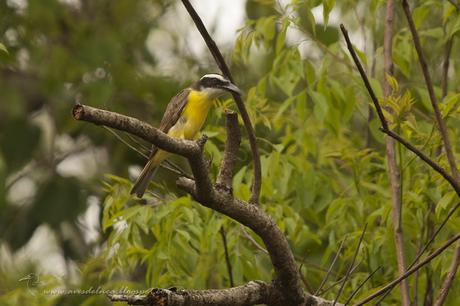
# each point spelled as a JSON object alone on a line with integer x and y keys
{"x": 195, "y": 113}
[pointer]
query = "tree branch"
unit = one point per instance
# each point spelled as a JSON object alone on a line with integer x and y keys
{"x": 456, "y": 256}
{"x": 350, "y": 267}
{"x": 410, "y": 271}
{"x": 393, "y": 171}
{"x": 238, "y": 100}
{"x": 451, "y": 179}
{"x": 263, "y": 225}
{"x": 223, "y": 235}
{"x": 429, "y": 84}
{"x": 232, "y": 144}
{"x": 329, "y": 270}
{"x": 287, "y": 278}
{"x": 430, "y": 241}
{"x": 444, "y": 136}
{"x": 254, "y": 292}
{"x": 347, "y": 302}
{"x": 136, "y": 127}
{"x": 385, "y": 129}
{"x": 374, "y": 99}
{"x": 435, "y": 166}
{"x": 444, "y": 291}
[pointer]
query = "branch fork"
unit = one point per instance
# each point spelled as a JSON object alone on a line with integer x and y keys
{"x": 286, "y": 286}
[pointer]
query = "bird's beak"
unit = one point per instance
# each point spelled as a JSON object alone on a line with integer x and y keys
{"x": 232, "y": 88}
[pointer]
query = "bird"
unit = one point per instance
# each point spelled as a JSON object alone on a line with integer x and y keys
{"x": 184, "y": 117}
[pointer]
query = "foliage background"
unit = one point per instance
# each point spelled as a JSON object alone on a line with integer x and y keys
{"x": 323, "y": 158}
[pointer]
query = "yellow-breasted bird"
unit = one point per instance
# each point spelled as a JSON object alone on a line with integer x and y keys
{"x": 183, "y": 118}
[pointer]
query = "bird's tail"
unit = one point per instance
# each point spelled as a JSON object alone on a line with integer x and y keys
{"x": 144, "y": 178}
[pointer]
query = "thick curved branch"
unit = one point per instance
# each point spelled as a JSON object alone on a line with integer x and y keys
{"x": 255, "y": 218}
{"x": 287, "y": 280}
{"x": 232, "y": 144}
{"x": 238, "y": 100}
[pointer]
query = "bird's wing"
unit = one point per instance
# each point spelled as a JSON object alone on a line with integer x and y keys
{"x": 172, "y": 113}
{"x": 174, "y": 110}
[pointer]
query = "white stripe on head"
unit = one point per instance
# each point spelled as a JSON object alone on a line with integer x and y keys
{"x": 214, "y": 76}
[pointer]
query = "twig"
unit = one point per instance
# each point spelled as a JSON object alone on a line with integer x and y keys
{"x": 169, "y": 165}
{"x": 364, "y": 77}
{"x": 238, "y": 100}
{"x": 429, "y": 84}
{"x": 138, "y": 143}
{"x": 430, "y": 225}
{"x": 304, "y": 280}
{"x": 410, "y": 271}
{"x": 165, "y": 164}
{"x": 361, "y": 285}
{"x": 323, "y": 282}
{"x": 393, "y": 171}
{"x": 347, "y": 275}
{"x": 339, "y": 281}
{"x": 232, "y": 144}
{"x": 311, "y": 265}
{"x": 448, "y": 281}
{"x": 435, "y": 166}
{"x": 456, "y": 256}
{"x": 430, "y": 241}
{"x": 451, "y": 179}
{"x": 125, "y": 142}
{"x": 435, "y": 234}
{"x": 445, "y": 66}
{"x": 227, "y": 257}
{"x": 385, "y": 129}
{"x": 253, "y": 241}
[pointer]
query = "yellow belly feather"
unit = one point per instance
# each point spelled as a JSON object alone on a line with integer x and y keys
{"x": 196, "y": 111}
{"x": 191, "y": 121}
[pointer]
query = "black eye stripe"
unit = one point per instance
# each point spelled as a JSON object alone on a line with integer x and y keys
{"x": 212, "y": 82}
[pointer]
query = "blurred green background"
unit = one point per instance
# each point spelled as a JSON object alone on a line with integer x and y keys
{"x": 65, "y": 213}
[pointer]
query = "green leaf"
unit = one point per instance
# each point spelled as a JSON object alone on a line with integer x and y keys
{"x": 321, "y": 107}
{"x": 453, "y": 27}
{"x": 449, "y": 103}
{"x": 444, "y": 202}
{"x": 311, "y": 19}
{"x": 328, "y": 5}
{"x": 419, "y": 14}
{"x": 184, "y": 234}
{"x": 3, "y": 48}
{"x": 281, "y": 39}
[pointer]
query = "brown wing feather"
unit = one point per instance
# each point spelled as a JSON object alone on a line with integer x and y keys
{"x": 174, "y": 110}
{"x": 172, "y": 113}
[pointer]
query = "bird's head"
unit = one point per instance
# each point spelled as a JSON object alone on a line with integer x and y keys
{"x": 215, "y": 85}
